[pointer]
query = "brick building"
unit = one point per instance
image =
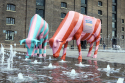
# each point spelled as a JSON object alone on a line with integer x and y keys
{"x": 15, "y": 16}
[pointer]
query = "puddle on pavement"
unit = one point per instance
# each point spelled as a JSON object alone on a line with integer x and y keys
{"x": 56, "y": 71}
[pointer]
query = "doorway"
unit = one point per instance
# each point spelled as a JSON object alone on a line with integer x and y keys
{"x": 83, "y": 45}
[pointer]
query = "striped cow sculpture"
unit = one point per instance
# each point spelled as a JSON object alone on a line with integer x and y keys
{"x": 79, "y": 27}
{"x": 38, "y": 34}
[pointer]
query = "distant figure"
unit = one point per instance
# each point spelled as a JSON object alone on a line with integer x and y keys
{"x": 104, "y": 46}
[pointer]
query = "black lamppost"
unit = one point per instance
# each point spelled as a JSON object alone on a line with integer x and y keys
{"x": 74, "y": 10}
{"x": 107, "y": 24}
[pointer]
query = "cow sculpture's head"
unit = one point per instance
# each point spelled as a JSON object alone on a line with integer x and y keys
{"x": 30, "y": 45}
{"x": 56, "y": 46}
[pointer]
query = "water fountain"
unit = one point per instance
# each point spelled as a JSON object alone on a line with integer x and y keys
{"x": 36, "y": 62}
{"x": 109, "y": 70}
{"x": 20, "y": 78}
{"x": 81, "y": 65}
{"x": 2, "y": 52}
{"x": 71, "y": 74}
{"x": 50, "y": 66}
{"x": 10, "y": 61}
{"x": 120, "y": 80}
{"x": 50, "y": 58}
{"x": 62, "y": 61}
{"x": 19, "y": 57}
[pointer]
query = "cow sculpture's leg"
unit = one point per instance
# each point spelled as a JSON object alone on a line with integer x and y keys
{"x": 79, "y": 48}
{"x": 90, "y": 49}
{"x": 36, "y": 49}
{"x": 45, "y": 43}
{"x": 64, "y": 51}
{"x": 96, "y": 48}
{"x": 40, "y": 47}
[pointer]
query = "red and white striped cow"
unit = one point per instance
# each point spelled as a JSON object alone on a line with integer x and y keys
{"x": 79, "y": 27}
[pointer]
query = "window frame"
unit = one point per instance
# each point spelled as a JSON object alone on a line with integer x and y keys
{"x": 9, "y": 7}
{"x": 122, "y": 29}
{"x": 63, "y": 5}
{"x": 122, "y": 20}
{"x": 63, "y": 15}
{"x": 42, "y": 14}
{"x": 10, "y": 21}
{"x": 41, "y": 2}
{"x": 9, "y": 35}
{"x": 85, "y": 10}
{"x": 122, "y": 36}
{"x": 99, "y": 3}
{"x": 101, "y": 21}
{"x": 113, "y": 1}
{"x": 99, "y": 12}
{"x": 113, "y": 24}
{"x": 84, "y": 1}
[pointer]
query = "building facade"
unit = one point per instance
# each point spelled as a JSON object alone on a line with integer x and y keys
{"x": 15, "y": 17}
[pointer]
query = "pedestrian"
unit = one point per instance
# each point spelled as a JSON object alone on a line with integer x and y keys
{"x": 104, "y": 46}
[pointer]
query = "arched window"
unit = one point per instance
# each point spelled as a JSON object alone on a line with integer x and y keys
{"x": 64, "y": 4}
{"x": 11, "y": 7}
{"x": 99, "y": 3}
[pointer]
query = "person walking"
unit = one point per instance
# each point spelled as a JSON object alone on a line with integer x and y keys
{"x": 104, "y": 46}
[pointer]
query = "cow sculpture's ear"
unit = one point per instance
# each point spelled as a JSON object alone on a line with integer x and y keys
{"x": 58, "y": 40}
{"x": 22, "y": 41}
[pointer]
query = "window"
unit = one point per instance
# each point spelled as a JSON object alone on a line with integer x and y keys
{"x": 114, "y": 1}
{"x": 11, "y": 7}
{"x": 40, "y": 12}
{"x": 40, "y": 2}
{"x": 83, "y": 1}
{"x": 113, "y": 16}
{"x": 122, "y": 36}
{"x": 63, "y": 15}
{"x": 63, "y": 4}
{"x": 100, "y": 40}
{"x": 99, "y": 3}
{"x": 113, "y": 24}
{"x": 113, "y": 33}
{"x": 122, "y": 20}
{"x": 9, "y": 35}
{"x": 83, "y": 10}
{"x": 101, "y": 31}
{"x": 122, "y": 28}
{"x": 10, "y": 20}
{"x": 99, "y": 12}
{"x": 113, "y": 8}
{"x": 101, "y": 21}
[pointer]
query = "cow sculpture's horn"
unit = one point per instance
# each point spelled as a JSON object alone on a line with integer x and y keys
{"x": 22, "y": 41}
{"x": 34, "y": 40}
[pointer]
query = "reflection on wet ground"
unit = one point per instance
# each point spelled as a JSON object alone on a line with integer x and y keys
{"x": 56, "y": 71}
